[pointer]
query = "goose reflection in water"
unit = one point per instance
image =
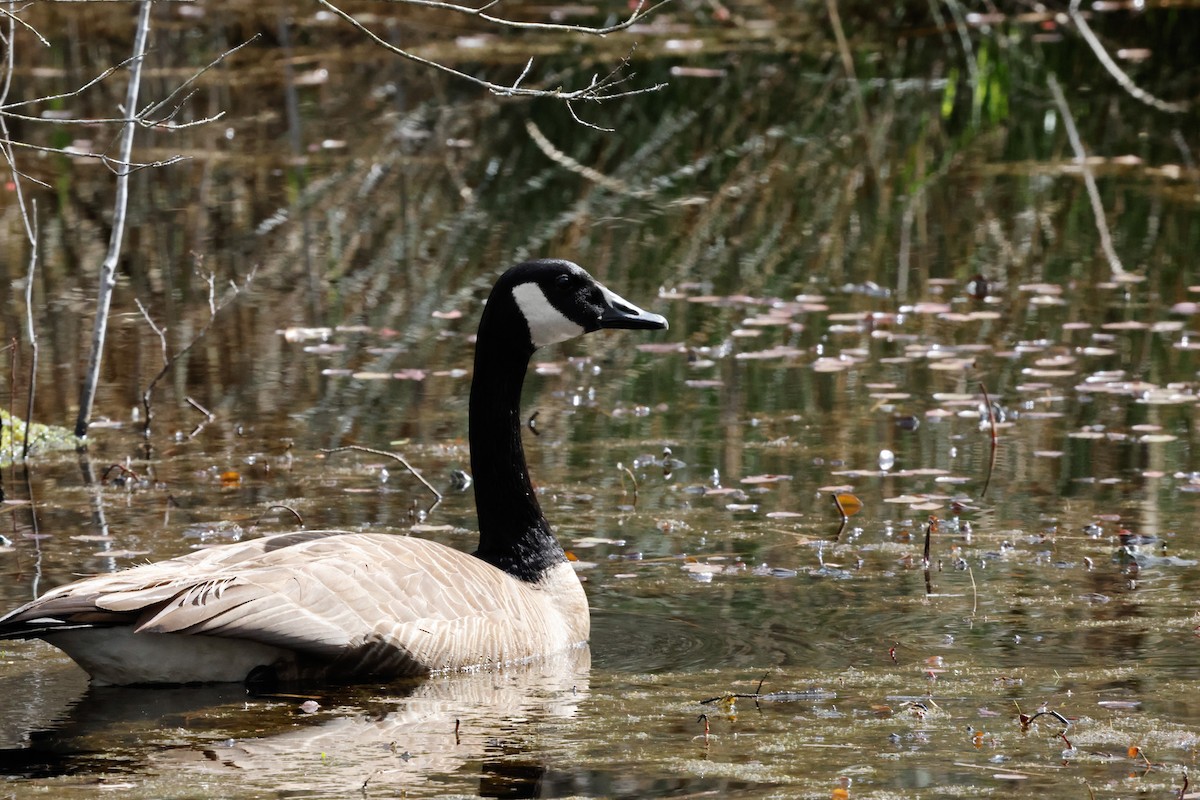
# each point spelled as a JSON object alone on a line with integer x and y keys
{"x": 415, "y": 736}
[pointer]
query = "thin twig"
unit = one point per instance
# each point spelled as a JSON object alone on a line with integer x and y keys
{"x": 169, "y": 362}
{"x": 208, "y": 416}
{"x": 1027, "y": 721}
{"x": 289, "y": 509}
{"x": 73, "y": 92}
{"x": 30, "y": 223}
{"x": 596, "y": 91}
{"x": 14, "y": 18}
{"x": 632, "y": 477}
{"x": 585, "y": 123}
{"x": 144, "y": 116}
{"x": 162, "y": 332}
{"x": 373, "y": 451}
{"x": 1089, "y": 179}
{"x": 109, "y": 161}
{"x": 135, "y": 120}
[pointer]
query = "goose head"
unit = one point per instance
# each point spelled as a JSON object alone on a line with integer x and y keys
{"x": 532, "y": 305}
{"x": 558, "y": 300}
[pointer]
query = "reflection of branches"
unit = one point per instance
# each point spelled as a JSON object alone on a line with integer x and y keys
{"x": 1106, "y": 60}
{"x": 640, "y": 11}
{"x": 597, "y": 90}
{"x": 565, "y": 161}
{"x": 1089, "y": 180}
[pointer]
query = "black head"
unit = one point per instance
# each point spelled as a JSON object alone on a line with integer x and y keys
{"x": 558, "y": 301}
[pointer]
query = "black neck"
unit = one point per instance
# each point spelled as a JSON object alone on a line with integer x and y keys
{"x": 513, "y": 533}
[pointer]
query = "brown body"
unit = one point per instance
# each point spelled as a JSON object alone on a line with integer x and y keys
{"x": 323, "y": 605}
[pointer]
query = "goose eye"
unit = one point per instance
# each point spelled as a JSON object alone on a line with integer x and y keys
{"x": 563, "y": 280}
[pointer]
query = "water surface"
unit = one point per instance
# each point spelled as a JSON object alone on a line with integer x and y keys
{"x": 828, "y": 335}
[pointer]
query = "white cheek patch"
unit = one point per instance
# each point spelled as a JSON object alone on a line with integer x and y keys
{"x": 547, "y": 325}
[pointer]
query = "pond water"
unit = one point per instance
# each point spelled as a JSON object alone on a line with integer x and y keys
{"x": 892, "y": 290}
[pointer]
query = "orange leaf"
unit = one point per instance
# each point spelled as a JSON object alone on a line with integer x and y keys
{"x": 847, "y": 504}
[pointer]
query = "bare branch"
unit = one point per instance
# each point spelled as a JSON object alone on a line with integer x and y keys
{"x": 109, "y": 161}
{"x": 12, "y": 16}
{"x": 29, "y": 220}
{"x": 639, "y": 12}
{"x": 585, "y": 123}
{"x": 144, "y": 117}
{"x": 169, "y": 361}
{"x": 33, "y": 339}
{"x": 73, "y": 92}
{"x": 138, "y": 120}
{"x": 595, "y": 91}
{"x": 162, "y": 332}
{"x": 108, "y": 269}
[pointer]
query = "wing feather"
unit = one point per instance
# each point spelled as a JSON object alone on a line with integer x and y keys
{"x": 367, "y": 600}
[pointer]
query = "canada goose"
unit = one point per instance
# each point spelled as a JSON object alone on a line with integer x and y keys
{"x": 336, "y": 605}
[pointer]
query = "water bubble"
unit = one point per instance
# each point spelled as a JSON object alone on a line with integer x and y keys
{"x": 887, "y": 460}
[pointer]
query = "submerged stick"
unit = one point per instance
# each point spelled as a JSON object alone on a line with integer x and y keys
{"x": 837, "y": 502}
{"x": 987, "y": 402}
{"x": 373, "y": 451}
{"x": 632, "y": 477}
{"x": 281, "y": 507}
{"x": 925, "y": 558}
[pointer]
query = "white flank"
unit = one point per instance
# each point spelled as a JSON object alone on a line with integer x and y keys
{"x": 117, "y": 656}
{"x": 547, "y": 325}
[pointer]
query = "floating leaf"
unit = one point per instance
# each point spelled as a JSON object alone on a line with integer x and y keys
{"x": 306, "y": 334}
{"x": 763, "y": 479}
{"x": 847, "y": 504}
